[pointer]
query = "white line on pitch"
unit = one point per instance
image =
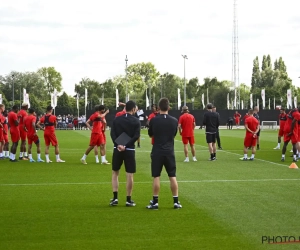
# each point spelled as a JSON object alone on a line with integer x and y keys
{"x": 142, "y": 182}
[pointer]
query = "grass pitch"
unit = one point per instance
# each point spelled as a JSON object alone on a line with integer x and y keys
{"x": 227, "y": 204}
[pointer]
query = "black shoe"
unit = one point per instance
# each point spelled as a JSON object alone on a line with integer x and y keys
{"x": 220, "y": 148}
{"x": 138, "y": 146}
{"x": 245, "y": 159}
{"x": 15, "y": 160}
{"x": 295, "y": 160}
{"x": 152, "y": 206}
{"x": 113, "y": 202}
{"x": 213, "y": 159}
{"x": 130, "y": 204}
{"x": 251, "y": 159}
{"x": 282, "y": 159}
{"x": 177, "y": 205}
{"x": 258, "y": 148}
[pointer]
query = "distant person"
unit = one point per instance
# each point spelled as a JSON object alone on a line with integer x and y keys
{"x": 2, "y": 131}
{"x": 230, "y": 122}
{"x": 5, "y": 136}
{"x": 123, "y": 112}
{"x": 23, "y": 135}
{"x": 237, "y": 118}
{"x": 142, "y": 118}
{"x": 211, "y": 122}
{"x": 130, "y": 125}
{"x": 50, "y": 123}
{"x": 163, "y": 128}
{"x": 245, "y": 117}
{"x": 151, "y": 116}
{"x": 291, "y": 133}
{"x": 282, "y": 120}
{"x": 252, "y": 128}
{"x": 30, "y": 128}
{"x": 186, "y": 126}
{"x": 13, "y": 123}
{"x": 255, "y": 114}
{"x": 218, "y": 133}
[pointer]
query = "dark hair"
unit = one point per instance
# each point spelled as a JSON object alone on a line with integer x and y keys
{"x": 97, "y": 108}
{"x": 164, "y": 104}
{"x": 209, "y": 106}
{"x": 101, "y": 107}
{"x": 49, "y": 108}
{"x": 250, "y": 111}
{"x": 15, "y": 107}
{"x": 130, "y": 105}
{"x": 31, "y": 111}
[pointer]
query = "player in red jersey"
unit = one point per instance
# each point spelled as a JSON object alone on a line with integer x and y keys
{"x": 186, "y": 126}
{"x": 282, "y": 121}
{"x": 123, "y": 112}
{"x": 252, "y": 128}
{"x": 245, "y": 117}
{"x": 237, "y": 118}
{"x": 14, "y": 132}
{"x": 2, "y": 120}
{"x": 154, "y": 113}
{"x": 5, "y": 136}
{"x": 22, "y": 115}
{"x": 30, "y": 128}
{"x": 96, "y": 136}
{"x": 50, "y": 123}
{"x": 291, "y": 133}
{"x": 103, "y": 113}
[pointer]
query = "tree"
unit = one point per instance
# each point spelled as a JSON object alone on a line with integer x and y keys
{"x": 192, "y": 87}
{"x": 52, "y": 79}
{"x": 255, "y": 79}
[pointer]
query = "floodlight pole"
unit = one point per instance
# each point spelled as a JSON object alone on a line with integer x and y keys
{"x": 126, "y": 60}
{"x": 184, "y": 57}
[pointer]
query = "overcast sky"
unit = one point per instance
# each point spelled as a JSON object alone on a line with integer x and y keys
{"x": 91, "y": 38}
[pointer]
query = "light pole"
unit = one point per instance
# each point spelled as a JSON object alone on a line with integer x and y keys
{"x": 184, "y": 57}
{"x": 126, "y": 60}
{"x": 13, "y": 89}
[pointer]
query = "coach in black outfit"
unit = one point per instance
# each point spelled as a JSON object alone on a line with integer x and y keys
{"x": 163, "y": 128}
{"x": 211, "y": 122}
{"x": 129, "y": 124}
{"x": 214, "y": 109}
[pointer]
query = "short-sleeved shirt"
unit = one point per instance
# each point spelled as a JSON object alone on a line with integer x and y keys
{"x": 152, "y": 115}
{"x": 282, "y": 120}
{"x": 28, "y": 125}
{"x": 12, "y": 117}
{"x": 252, "y": 124}
{"x": 187, "y": 122}
{"x": 52, "y": 119}
{"x": 290, "y": 117}
{"x": 97, "y": 123}
{"x": 123, "y": 112}
{"x": 256, "y": 116}
{"x": 22, "y": 115}
{"x": 237, "y": 115}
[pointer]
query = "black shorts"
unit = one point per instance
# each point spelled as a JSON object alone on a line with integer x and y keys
{"x": 258, "y": 133}
{"x": 158, "y": 161}
{"x": 210, "y": 138}
{"x": 128, "y": 157}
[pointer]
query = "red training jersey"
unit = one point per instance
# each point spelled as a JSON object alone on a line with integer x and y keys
{"x": 49, "y": 121}
{"x": 290, "y": 117}
{"x": 152, "y": 115}
{"x": 237, "y": 116}
{"x": 12, "y": 117}
{"x": 123, "y": 112}
{"x": 187, "y": 122}
{"x": 245, "y": 117}
{"x": 97, "y": 123}
{"x": 282, "y": 120}
{"x": 252, "y": 124}
{"x": 28, "y": 125}
{"x": 22, "y": 115}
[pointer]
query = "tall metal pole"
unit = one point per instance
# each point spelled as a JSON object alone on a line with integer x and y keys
{"x": 126, "y": 60}
{"x": 13, "y": 90}
{"x": 184, "y": 57}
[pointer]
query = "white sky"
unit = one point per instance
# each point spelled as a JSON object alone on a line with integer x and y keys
{"x": 91, "y": 38}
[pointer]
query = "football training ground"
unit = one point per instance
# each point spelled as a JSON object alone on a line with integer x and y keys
{"x": 227, "y": 204}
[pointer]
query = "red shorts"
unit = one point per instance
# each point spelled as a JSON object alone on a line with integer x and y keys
{"x": 32, "y": 138}
{"x": 250, "y": 141}
{"x": 237, "y": 120}
{"x": 188, "y": 140}
{"x": 50, "y": 138}
{"x": 23, "y": 133}
{"x": 280, "y": 132}
{"x": 104, "y": 137}
{"x": 293, "y": 138}
{"x": 15, "y": 135}
{"x": 96, "y": 139}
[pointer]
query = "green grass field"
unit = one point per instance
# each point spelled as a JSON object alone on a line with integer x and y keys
{"x": 227, "y": 204}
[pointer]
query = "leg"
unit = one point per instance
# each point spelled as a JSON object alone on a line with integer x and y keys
{"x": 186, "y": 151}
{"x": 193, "y": 150}
{"x": 115, "y": 181}
{"x": 129, "y": 183}
{"x": 218, "y": 140}
{"x": 174, "y": 186}
{"x": 284, "y": 150}
{"x": 156, "y": 186}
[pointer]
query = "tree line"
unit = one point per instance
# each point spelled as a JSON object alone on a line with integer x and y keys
{"x": 141, "y": 79}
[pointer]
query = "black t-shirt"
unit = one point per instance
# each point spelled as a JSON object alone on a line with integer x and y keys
{"x": 211, "y": 122}
{"x": 163, "y": 128}
{"x": 126, "y": 123}
{"x": 255, "y": 115}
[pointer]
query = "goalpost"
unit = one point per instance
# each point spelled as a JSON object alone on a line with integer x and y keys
{"x": 268, "y": 125}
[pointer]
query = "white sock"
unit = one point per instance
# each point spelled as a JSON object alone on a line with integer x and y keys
{"x": 13, "y": 156}
{"x": 97, "y": 158}
{"x": 252, "y": 156}
{"x": 57, "y": 157}
{"x": 283, "y": 156}
{"x": 6, "y": 153}
{"x": 47, "y": 158}
{"x": 83, "y": 157}
{"x": 194, "y": 157}
{"x": 21, "y": 154}
{"x": 25, "y": 154}
{"x": 245, "y": 156}
{"x": 30, "y": 156}
{"x": 295, "y": 156}
{"x": 102, "y": 158}
{"x": 1, "y": 154}
{"x": 39, "y": 156}
{"x": 278, "y": 145}
{"x": 10, "y": 156}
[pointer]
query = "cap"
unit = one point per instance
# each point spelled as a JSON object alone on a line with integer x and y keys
{"x": 24, "y": 104}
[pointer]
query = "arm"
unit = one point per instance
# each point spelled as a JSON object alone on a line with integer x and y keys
{"x": 88, "y": 124}
{"x": 113, "y": 132}
{"x": 204, "y": 120}
{"x": 292, "y": 126}
{"x": 24, "y": 127}
{"x": 150, "y": 130}
{"x": 136, "y": 134}
{"x": 180, "y": 129}
{"x": 16, "y": 122}
{"x": 38, "y": 125}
